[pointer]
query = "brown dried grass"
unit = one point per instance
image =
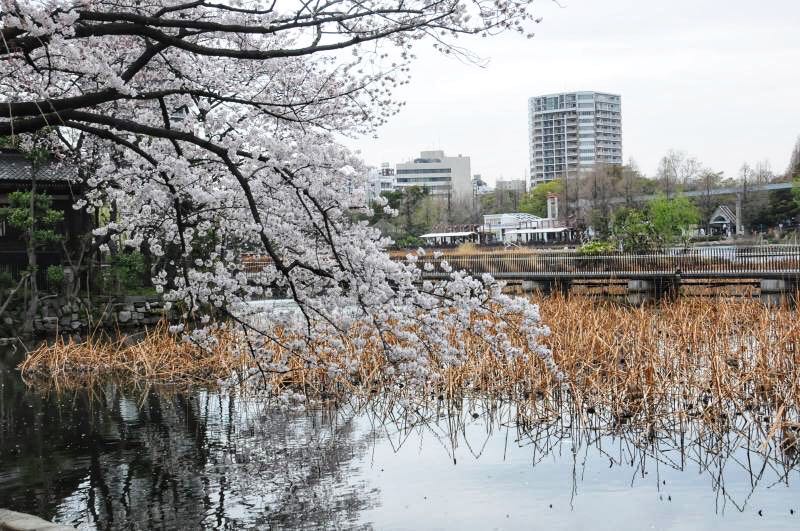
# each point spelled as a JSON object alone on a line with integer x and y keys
{"x": 690, "y": 357}
{"x": 723, "y": 362}
{"x": 159, "y": 357}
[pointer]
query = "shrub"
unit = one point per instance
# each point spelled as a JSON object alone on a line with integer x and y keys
{"x": 633, "y": 231}
{"x": 124, "y": 274}
{"x": 597, "y": 247}
{"x": 409, "y": 242}
{"x": 55, "y": 276}
{"x": 128, "y": 268}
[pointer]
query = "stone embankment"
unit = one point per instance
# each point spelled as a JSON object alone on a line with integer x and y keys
{"x": 59, "y": 315}
{"x": 14, "y": 521}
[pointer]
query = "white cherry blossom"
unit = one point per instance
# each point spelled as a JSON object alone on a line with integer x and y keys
{"x": 214, "y": 127}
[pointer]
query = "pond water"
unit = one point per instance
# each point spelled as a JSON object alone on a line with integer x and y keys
{"x": 114, "y": 459}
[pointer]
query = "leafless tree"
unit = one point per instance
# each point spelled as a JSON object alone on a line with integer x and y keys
{"x": 677, "y": 169}
{"x": 794, "y": 161}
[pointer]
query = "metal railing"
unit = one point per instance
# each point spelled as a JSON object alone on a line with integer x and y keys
{"x": 766, "y": 261}
{"x": 698, "y": 262}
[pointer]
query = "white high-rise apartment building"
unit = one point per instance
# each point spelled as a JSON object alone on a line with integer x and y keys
{"x": 445, "y": 177}
{"x": 572, "y": 131}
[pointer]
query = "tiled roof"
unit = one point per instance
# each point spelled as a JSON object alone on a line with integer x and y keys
{"x": 15, "y": 167}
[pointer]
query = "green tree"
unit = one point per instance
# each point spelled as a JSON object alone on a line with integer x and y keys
{"x": 414, "y": 212}
{"x": 36, "y": 220}
{"x": 412, "y": 198}
{"x": 535, "y": 201}
{"x": 32, "y": 215}
{"x": 429, "y": 212}
{"x": 632, "y": 230}
{"x": 672, "y": 218}
{"x": 488, "y": 204}
{"x": 782, "y": 205}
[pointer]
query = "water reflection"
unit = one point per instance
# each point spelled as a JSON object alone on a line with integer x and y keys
{"x": 482, "y": 464}
{"x": 121, "y": 459}
{"x": 110, "y": 459}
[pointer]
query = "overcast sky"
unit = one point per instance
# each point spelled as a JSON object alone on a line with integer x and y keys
{"x": 718, "y": 79}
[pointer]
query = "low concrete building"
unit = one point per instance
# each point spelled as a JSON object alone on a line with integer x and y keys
{"x": 528, "y": 229}
{"x": 497, "y": 226}
{"x": 450, "y": 239}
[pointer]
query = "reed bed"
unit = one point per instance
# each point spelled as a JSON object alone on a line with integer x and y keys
{"x": 689, "y": 359}
{"x": 156, "y": 357}
{"x": 713, "y": 366}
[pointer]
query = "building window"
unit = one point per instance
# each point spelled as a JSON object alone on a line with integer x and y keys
{"x": 423, "y": 170}
{"x": 406, "y": 180}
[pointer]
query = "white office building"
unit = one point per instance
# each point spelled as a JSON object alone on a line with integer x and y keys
{"x": 573, "y": 131}
{"x": 445, "y": 177}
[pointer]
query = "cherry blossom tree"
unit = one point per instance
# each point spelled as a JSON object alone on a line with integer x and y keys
{"x": 219, "y": 125}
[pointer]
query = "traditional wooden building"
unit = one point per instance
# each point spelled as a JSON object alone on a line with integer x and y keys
{"x": 60, "y": 182}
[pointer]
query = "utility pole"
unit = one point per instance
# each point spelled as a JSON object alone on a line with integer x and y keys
{"x": 739, "y": 222}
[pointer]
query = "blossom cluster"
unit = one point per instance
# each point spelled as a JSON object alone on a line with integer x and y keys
{"x": 214, "y": 131}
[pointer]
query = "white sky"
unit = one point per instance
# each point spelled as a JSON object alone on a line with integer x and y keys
{"x": 719, "y": 79}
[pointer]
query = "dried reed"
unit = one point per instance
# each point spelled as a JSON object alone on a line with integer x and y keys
{"x": 158, "y": 357}
{"x": 690, "y": 358}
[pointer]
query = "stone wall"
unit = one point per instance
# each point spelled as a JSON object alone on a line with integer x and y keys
{"x": 57, "y": 315}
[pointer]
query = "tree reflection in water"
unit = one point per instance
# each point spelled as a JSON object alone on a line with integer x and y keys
{"x": 145, "y": 460}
